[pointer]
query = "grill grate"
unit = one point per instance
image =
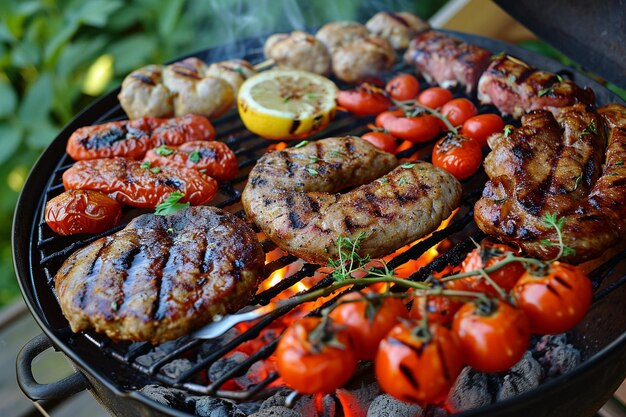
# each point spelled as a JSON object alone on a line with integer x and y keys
{"x": 53, "y": 249}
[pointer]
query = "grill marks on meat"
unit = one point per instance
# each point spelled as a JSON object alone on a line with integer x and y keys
{"x": 129, "y": 183}
{"x": 446, "y": 60}
{"x": 162, "y": 276}
{"x": 515, "y": 88}
{"x": 293, "y": 197}
{"x": 133, "y": 138}
{"x": 554, "y": 163}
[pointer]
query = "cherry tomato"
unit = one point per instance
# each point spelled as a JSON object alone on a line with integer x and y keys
{"x": 403, "y": 87}
{"x": 555, "y": 301}
{"x": 487, "y": 255}
{"x": 365, "y": 100}
{"x": 368, "y": 321}
{"x": 481, "y": 127}
{"x": 458, "y": 110}
{"x": 414, "y": 129}
{"x": 385, "y": 116}
{"x": 439, "y": 308}
{"x": 381, "y": 140}
{"x": 82, "y": 211}
{"x": 418, "y": 368}
{"x": 493, "y": 337}
{"x": 434, "y": 97}
{"x": 459, "y": 155}
{"x": 313, "y": 359}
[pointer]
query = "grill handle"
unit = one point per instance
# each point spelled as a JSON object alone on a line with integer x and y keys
{"x": 35, "y": 391}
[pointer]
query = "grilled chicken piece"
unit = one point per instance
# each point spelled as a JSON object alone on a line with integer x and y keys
{"x": 336, "y": 33}
{"x": 298, "y": 50}
{"x": 292, "y": 195}
{"x": 553, "y": 164}
{"x": 215, "y": 159}
{"x": 133, "y": 138}
{"x": 143, "y": 94}
{"x": 397, "y": 28}
{"x": 137, "y": 184}
{"x": 362, "y": 59}
{"x": 234, "y": 72}
{"x": 515, "y": 88}
{"x": 447, "y": 61}
{"x": 161, "y": 277}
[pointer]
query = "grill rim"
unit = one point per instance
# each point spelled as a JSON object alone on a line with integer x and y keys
{"x": 25, "y": 224}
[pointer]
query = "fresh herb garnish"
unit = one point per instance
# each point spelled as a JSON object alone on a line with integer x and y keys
{"x": 591, "y": 128}
{"x": 313, "y": 159}
{"x": 508, "y": 129}
{"x": 171, "y": 205}
{"x": 545, "y": 91}
{"x": 383, "y": 180}
{"x": 163, "y": 150}
{"x": 401, "y": 181}
{"x": 301, "y": 144}
{"x": 577, "y": 182}
{"x": 155, "y": 170}
{"x": 551, "y": 220}
{"x": 194, "y": 156}
{"x": 312, "y": 171}
{"x": 408, "y": 165}
{"x": 335, "y": 154}
{"x": 500, "y": 200}
{"x": 145, "y": 164}
{"x": 310, "y": 96}
{"x": 618, "y": 163}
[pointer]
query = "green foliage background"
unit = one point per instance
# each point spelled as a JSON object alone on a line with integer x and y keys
{"x": 47, "y": 46}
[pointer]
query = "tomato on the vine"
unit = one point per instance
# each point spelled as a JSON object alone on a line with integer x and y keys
{"x": 488, "y": 254}
{"x": 418, "y": 366}
{"x": 494, "y": 336}
{"x": 367, "y": 320}
{"x": 439, "y": 308}
{"x": 459, "y": 155}
{"x": 365, "y": 100}
{"x": 416, "y": 129}
{"x": 556, "y": 300}
{"x": 381, "y": 140}
{"x": 388, "y": 115}
{"x": 434, "y": 97}
{"x": 458, "y": 110}
{"x": 403, "y": 87}
{"x": 482, "y": 126}
{"x": 315, "y": 356}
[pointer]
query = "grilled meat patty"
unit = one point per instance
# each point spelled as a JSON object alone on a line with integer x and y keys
{"x": 515, "y": 88}
{"x": 555, "y": 164}
{"x": 446, "y": 60}
{"x": 292, "y": 196}
{"x": 161, "y": 277}
{"x": 133, "y": 138}
{"x": 133, "y": 183}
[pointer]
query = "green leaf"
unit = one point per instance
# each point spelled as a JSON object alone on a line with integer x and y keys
{"x": 171, "y": 205}
{"x": 5, "y": 34}
{"x": 194, "y": 156}
{"x": 40, "y": 133}
{"x": 408, "y": 165}
{"x": 145, "y": 164}
{"x": 8, "y": 99}
{"x": 77, "y": 53}
{"x": 312, "y": 171}
{"x": 132, "y": 52}
{"x": 25, "y": 54}
{"x": 37, "y": 100}
{"x": 55, "y": 46}
{"x": 169, "y": 16}
{"x": 10, "y": 138}
{"x": 95, "y": 12}
{"x": 163, "y": 150}
{"x": 301, "y": 144}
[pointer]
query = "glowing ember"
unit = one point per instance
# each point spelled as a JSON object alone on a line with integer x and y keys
{"x": 277, "y": 146}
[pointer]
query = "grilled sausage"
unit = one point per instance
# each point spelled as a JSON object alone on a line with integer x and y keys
{"x": 555, "y": 164}
{"x": 292, "y": 196}
{"x": 215, "y": 159}
{"x": 133, "y": 138}
{"x": 397, "y": 28}
{"x": 82, "y": 211}
{"x": 139, "y": 185}
{"x": 161, "y": 277}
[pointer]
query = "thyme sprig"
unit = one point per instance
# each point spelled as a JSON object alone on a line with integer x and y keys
{"x": 551, "y": 220}
{"x": 413, "y": 108}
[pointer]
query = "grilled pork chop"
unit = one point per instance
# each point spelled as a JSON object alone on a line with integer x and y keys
{"x": 162, "y": 276}
{"x": 555, "y": 164}
{"x": 446, "y": 60}
{"x": 292, "y": 196}
{"x": 515, "y": 88}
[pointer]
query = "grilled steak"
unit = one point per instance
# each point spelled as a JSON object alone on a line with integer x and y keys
{"x": 162, "y": 276}
{"x": 133, "y": 138}
{"x": 292, "y": 196}
{"x": 553, "y": 164}
{"x": 137, "y": 184}
{"x": 446, "y": 60}
{"x": 515, "y": 88}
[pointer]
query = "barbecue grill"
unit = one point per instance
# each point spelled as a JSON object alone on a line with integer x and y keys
{"x": 115, "y": 371}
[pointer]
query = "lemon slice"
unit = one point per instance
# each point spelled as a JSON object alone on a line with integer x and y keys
{"x": 286, "y": 104}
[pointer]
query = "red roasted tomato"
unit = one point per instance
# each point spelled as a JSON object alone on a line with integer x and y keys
{"x": 481, "y": 127}
{"x": 367, "y": 321}
{"x": 458, "y": 110}
{"x": 439, "y": 308}
{"x": 434, "y": 97}
{"x": 493, "y": 337}
{"x": 365, "y": 100}
{"x": 403, "y": 87}
{"x": 82, "y": 211}
{"x": 418, "y": 368}
{"x": 312, "y": 360}
{"x": 388, "y": 115}
{"x": 556, "y": 300}
{"x": 414, "y": 129}
{"x": 381, "y": 140}
{"x": 459, "y": 155}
